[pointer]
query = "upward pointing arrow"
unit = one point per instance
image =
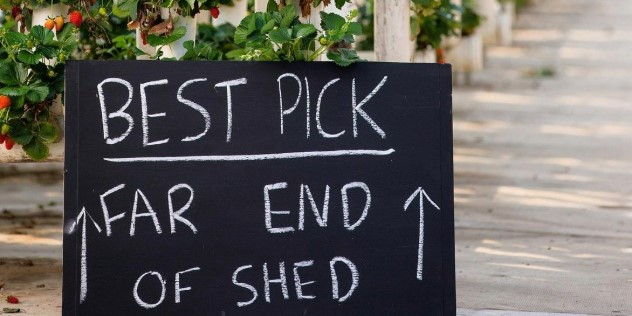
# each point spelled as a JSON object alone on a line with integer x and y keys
{"x": 83, "y": 216}
{"x": 420, "y": 252}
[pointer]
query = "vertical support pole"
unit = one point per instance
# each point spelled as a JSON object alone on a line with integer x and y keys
{"x": 260, "y": 5}
{"x": 204, "y": 17}
{"x": 232, "y": 14}
{"x": 489, "y": 9}
{"x": 176, "y": 49}
{"x": 392, "y": 30}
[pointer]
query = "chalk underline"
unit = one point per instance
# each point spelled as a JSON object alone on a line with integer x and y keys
{"x": 256, "y": 157}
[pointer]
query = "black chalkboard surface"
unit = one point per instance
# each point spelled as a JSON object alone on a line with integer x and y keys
{"x": 238, "y": 188}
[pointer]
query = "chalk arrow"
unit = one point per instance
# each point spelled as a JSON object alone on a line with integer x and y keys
{"x": 420, "y": 252}
{"x": 83, "y": 217}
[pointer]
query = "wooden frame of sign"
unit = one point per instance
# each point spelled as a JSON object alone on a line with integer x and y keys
{"x": 243, "y": 188}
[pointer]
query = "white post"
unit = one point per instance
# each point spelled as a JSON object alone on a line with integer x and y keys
{"x": 392, "y": 30}
{"x": 175, "y": 49}
{"x": 260, "y": 5}
{"x": 427, "y": 55}
{"x": 505, "y": 22}
{"x": 489, "y": 10}
{"x": 148, "y": 49}
{"x": 467, "y": 56}
{"x": 232, "y": 14}
{"x": 204, "y": 17}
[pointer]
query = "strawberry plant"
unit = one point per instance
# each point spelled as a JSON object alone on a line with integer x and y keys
{"x": 279, "y": 35}
{"x": 433, "y": 20}
{"x": 22, "y": 11}
{"x": 157, "y": 29}
{"x": 32, "y": 77}
{"x": 470, "y": 19}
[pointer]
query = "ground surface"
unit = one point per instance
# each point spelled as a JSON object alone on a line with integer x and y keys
{"x": 543, "y": 173}
{"x": 543, "y": 166}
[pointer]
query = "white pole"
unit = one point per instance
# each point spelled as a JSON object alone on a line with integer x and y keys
{"x": 489, "y": 9}
{"x": 176, "y": 49}
{"x": 204, "y": 17}
{"x": 148, "y": 49}
{"x": 392, "y": 30}
{"x": 260, "y": 5}
{"x": 232, "y": 14}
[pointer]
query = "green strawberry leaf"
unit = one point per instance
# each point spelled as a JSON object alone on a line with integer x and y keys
{"x": 37, "y": 92}
{"x": 47, "y": 133}
{"x": 331, "y": 21}
{"x": 36, "y": 149}
{"x": 44, "y": 36}
{"x": 355, "y": 28}
{"x": 48, "y": 52}
{"x": 289, "y": 14}
{"x": 245, "y": 28}
{"x": 67, "y": 38}
{"x": 17, "y": 102}
{"x": 281, "y": 35}
{"x": 29, "y": 58}
{"x": 268, "y": 26}
{"x": 272, "y": 6}
{"x": 156, "y": 40}
{"x": 343, "y": 57}
{"x": 340, "y": 3}
{"x": 14, "y": 91}
{"x": 129, "y": 6}
{"x": 13, "y": 74}
{"x": 303, "y": 30}
{"x": 235, "y": 54}
{"x": 21, "y": 134}
{"x": 15, "y": 38}
{"x": 7, "y": 74}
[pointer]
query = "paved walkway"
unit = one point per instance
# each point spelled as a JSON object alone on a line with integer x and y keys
{"x": 543, "y": 171}
{"x": 544, "y": 165}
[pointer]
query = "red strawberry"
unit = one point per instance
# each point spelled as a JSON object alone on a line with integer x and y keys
{"x": 5, "y": 102}
{"x": 12, "y": 299}
{"x": 215, "y": 12}
{"x": 75, "y": 18}
{"x": 3, "y": 138}
{"x": 15, "y": 11}
{"x": 9, "y": 145}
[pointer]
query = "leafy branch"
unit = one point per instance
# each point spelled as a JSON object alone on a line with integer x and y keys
{"x": 279, "y": 35}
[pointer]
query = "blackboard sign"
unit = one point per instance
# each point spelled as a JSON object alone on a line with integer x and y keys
{"x": 238, "y": 188}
